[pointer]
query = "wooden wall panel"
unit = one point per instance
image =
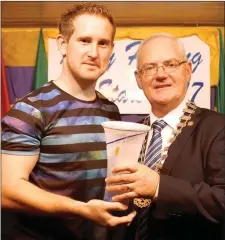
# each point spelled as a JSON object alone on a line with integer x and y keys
{"x": 46, "y": 14}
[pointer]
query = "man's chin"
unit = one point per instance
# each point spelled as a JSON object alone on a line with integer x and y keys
{"x": 90, "y": 77}
{"x": 163, "y": 101}
{"x": 163, "y": 98}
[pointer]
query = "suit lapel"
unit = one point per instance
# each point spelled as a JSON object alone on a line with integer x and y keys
{"x": 177, "y": 146}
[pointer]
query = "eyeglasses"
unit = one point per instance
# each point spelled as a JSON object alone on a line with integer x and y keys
{"x": 168, "y": 65}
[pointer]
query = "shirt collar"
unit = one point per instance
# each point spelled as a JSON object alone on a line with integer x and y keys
{"x": 173, "y": 117}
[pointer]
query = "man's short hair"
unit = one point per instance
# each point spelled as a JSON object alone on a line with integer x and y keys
{"x": 160, "y": 35}
{"x": 66, "y": 27}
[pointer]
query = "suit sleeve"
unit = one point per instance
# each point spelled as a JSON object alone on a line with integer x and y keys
{"x": 182, "y": 198}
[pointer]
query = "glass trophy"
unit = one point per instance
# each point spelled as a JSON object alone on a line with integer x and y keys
{"x": 123, "y": 143}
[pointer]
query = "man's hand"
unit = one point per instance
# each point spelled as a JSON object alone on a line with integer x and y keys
{"x": 139, "y": 181}
{"x": 100, "y": 212}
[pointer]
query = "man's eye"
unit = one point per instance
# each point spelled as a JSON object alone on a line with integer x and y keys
{"x": 85, "y": 41}
{"x": 103, "y": 43}
{"x": 149, "y": 68}
{"x": 171, "y": 64}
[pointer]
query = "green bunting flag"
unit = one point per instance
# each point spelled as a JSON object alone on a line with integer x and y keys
{"x": 41, "y": 72}
{"x": 220, "y": 92}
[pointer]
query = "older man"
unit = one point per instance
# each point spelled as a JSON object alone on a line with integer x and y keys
{"x": 178, "y": 186}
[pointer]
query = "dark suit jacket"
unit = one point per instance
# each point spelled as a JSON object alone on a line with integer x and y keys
{"x": 191, "y": 198}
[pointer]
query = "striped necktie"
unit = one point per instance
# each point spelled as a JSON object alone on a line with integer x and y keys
{"x": 153, "y": 156}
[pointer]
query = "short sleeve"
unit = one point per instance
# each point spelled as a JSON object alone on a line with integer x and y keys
{"x": 22, "y": 130}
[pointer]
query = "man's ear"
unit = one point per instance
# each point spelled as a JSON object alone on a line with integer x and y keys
{"x": 138, "y": 79}
{"x": 113, "y": 44}
{"x": 189, "y": 70}
{"x": 62, "y": 44}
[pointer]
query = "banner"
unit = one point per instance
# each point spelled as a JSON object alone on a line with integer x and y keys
{"x": 118, "y": 83}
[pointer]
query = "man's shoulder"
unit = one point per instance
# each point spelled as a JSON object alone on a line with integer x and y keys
{"x": 44, "y": 93}
{"x": 208, "y": 113}
{"x": 104, "y": 99}
{"x": 212, "y": 118}
{"x": 109, "y": 107}
{"x": 32, "y": 102}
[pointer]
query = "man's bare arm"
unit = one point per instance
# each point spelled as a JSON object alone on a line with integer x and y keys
{"x": 21, "y": 195}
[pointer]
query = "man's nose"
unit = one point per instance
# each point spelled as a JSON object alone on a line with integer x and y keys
{"x": 93, "y": 51}
{"x": 160, "y": 72}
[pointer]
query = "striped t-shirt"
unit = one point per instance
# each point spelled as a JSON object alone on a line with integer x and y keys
{"x": 67, "y": 134}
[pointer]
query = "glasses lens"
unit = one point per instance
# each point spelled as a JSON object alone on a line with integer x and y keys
{"x": 168, "y": 66}
{"x": 150, "y": 70}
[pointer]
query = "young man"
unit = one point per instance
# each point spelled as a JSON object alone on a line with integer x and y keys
{"x": 180, "y": 184}
{"x": 53, "y": 145}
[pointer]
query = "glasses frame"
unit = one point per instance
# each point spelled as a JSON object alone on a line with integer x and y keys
{"x": 142, "y": 71}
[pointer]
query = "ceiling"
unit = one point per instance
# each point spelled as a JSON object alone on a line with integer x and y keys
{"x": 46, "y": 14}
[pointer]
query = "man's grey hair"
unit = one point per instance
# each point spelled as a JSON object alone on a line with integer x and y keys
{"x": 159, "y": 35}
